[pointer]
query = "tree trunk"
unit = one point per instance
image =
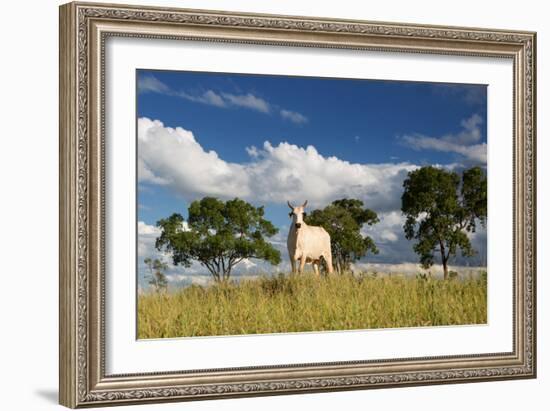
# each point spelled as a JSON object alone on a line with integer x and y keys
{"x": 227, "y": 273}
{"x": 215, "y": 274}
{"x": 444, "y": 260}
{"x": 340, "y": 265}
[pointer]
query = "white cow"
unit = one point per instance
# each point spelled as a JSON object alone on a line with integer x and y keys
{"x": 307, "y": 243}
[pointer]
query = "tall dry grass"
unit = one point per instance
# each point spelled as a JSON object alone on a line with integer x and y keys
{"x": 298, "y": 303}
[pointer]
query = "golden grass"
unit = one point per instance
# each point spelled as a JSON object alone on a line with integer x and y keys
{"x": 298, "y": 303}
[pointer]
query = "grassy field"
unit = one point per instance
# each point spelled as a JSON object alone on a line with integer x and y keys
{"x": 306, "y": 303}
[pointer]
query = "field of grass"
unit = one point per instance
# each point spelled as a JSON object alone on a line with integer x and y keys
{"x": 301, "y": 303}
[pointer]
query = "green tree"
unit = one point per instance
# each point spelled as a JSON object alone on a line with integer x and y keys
{"x": 157, "y": 278}
{"x": 343, "y": 220}
{"x": 441, "y": 208}
{"x": 219, "y": 235}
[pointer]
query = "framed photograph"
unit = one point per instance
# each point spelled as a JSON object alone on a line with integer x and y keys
{"x": 258, "y": 204}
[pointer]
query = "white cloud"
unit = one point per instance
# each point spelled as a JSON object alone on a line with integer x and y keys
{"x": 146, "y": 239}
{"x": 147, "y": 235}
{"x": 225, "y": 100}
{"x": 394, "y": 248}
{"x": 248, "y": 101}
{"x": 411, "y": 269}
{"x": 477, "y": 152}
{"x": 275, "y": 174}
{"x": 388, "y": 230}
{"x": 146, "y": 229}
{"x": 293, "y": 116}
{"x": 471, "y": 132}
{"x": 196, "y": 273}
{"x": 149, "y": 83}
{"x": 146, "y": 175}
{"x": 208, "y": 97}
{"x": 173, "y": 156}
{"x": 465, "y": 143}
{"x": 186, "y": 279}
{"x": 252, "y": 151}
{"x": 390, "y": 239}
{"x": 389, "y": 225}
{"x": 479, "y": 243}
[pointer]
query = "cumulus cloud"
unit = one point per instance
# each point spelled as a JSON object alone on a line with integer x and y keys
{"x": 388, "y": 230}
{"x": 147, "y": 234}
{"x": 390, "y": 239}
{"x": 179, "y": 275}
{"x": 396, "y": 255}
{"x": 465, "y": 143}
{"x": 146, "y": 175}
{"x": 293, "y": 116}
{"x": 252, "y": 151}
{"x": 146, "y": 239}
{"x": 394, "y": 248}
{"x": 479, "y": 243}
{"x": 275, "y": 174}
{"x": 173, "y": 157}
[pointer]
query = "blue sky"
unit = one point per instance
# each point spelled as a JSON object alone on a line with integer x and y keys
{"x": 273, "y": 138}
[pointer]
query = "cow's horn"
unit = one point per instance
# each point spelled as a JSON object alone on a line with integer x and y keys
{"x": 305, "y": 204}
{"x": 290, "y": 205}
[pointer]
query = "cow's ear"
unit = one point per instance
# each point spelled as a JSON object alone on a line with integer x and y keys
{"x": 305, "y": 215}
{"x": 290, "y": 214}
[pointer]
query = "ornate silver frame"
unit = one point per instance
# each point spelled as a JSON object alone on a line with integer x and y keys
{"x": 84, "y": 27}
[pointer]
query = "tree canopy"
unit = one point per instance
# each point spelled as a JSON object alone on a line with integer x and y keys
{"x": 343, "y": 220}
{"x": 441, "y": 207}
{"x": 218, "y": 235}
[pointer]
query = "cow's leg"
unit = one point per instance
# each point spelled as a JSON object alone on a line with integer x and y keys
{"x": 302, "y": 264}
{"x": 293, "y": 265}
{"x": 328, "y": 260}
{"x": 316, "y": 267}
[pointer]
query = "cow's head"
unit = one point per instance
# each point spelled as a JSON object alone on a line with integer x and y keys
{"x": 297, "y": 214}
